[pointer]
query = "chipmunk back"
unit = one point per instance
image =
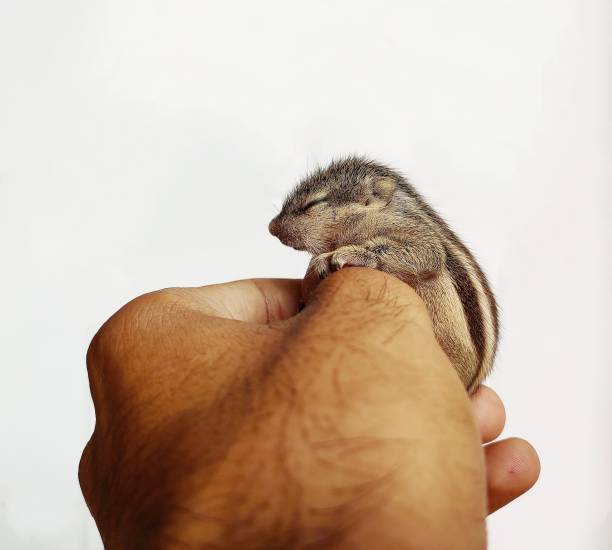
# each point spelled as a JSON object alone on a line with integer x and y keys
{"x": 362, "y": 213}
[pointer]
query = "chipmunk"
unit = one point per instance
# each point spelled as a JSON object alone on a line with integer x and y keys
{"x": 361, "y": 213}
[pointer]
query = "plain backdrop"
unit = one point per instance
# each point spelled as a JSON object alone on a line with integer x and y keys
{"x": 147, "y": 144}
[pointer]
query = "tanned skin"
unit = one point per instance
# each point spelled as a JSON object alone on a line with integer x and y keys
{"x": 225, "y": 419}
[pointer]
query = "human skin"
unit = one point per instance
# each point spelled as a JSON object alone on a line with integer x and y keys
{"x": 225, "y": 419}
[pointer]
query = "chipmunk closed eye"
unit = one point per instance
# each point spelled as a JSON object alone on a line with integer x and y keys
{"x": 327, "y": 203}
{"x": 359, "y": 212}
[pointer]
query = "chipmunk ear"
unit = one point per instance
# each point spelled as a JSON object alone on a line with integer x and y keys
{"x": 381, "y": 192}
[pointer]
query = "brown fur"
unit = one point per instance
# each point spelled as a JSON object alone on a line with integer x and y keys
{"x": 358, "y": 212}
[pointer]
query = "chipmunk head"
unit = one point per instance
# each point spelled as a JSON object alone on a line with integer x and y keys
{"x": 344, "y": 197}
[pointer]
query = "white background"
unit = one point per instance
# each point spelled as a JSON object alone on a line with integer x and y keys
{"x": 147, "y": 144}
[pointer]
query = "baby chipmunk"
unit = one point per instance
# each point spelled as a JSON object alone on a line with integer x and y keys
{"x": 360, "y": 213}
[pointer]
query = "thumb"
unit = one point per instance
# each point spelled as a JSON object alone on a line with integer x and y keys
{"x": 374, "y": 310}
{"x": 373, "y": 353}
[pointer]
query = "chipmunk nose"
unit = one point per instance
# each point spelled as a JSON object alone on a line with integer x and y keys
{"x": 274, "y": 227}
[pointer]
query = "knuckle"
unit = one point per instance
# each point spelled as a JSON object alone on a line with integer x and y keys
{"x": 142, "y": 315}
{"x": 85, "y": 472}
{"x": 122, "y": 352}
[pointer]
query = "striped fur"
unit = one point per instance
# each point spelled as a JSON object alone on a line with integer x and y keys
{"x": 476, "y": 296}
{"x": 359, "y": 212}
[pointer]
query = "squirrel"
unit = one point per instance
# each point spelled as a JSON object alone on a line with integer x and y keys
{"x": 361, "y": 213}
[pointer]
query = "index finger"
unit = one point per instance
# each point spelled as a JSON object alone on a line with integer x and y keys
{"x": 251, "y": 300}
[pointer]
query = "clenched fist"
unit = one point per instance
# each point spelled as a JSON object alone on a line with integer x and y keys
{"x": 226, "y": 419}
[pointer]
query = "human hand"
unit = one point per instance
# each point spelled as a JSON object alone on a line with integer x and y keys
{"x": 512, "y": 464}
{"x": 223, "y": 418}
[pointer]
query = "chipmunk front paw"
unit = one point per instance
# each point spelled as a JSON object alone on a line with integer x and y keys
{"x": 350, "y": 255}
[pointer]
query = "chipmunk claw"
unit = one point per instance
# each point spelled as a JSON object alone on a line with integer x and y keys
{"x": 350, "y": 255}
{"x": 321, "y": 265}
